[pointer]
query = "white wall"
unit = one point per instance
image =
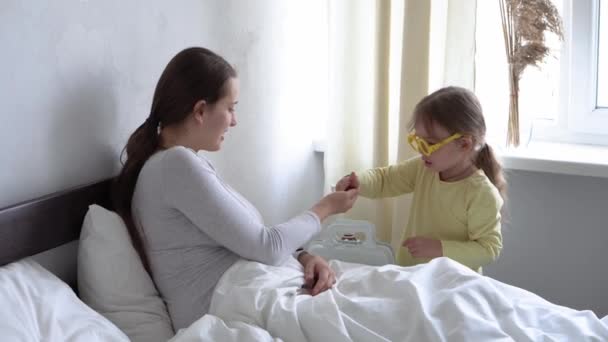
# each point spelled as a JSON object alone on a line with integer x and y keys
{"x": 77, "y": 77}
{"x": 556, "y": 239}
{"x": 280, "y": 51}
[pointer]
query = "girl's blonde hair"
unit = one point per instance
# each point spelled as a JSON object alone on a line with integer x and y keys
{"x": 458, "y": 110}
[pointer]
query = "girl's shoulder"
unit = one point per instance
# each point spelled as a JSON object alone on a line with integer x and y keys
{"x": 480, "y": 189}
{"x": 412, "y": 167}
{"x": 416, "y": 160}
{"x": 414, "y": 163}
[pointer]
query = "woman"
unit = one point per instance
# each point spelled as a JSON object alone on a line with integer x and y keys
{"x": 188, "y": 225}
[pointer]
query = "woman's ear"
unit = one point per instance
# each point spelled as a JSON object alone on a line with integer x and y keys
{"x": 199, "y": 110}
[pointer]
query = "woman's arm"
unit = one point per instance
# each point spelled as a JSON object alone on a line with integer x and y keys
{"x": 192, "y": 187}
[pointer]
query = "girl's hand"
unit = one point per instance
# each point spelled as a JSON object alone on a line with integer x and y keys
{"x": 421, "y": 247}
{"x": 318, "y": 276}
{"x": 348, "y": 182}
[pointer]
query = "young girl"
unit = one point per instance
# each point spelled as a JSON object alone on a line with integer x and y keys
{"x": 457, "y": 183}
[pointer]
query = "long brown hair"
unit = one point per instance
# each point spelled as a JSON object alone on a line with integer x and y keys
{"x": 458, "y": 110}
{"x": 193, "y": 74}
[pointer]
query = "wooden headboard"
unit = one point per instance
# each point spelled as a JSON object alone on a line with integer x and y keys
{"x": 41, "y": 224}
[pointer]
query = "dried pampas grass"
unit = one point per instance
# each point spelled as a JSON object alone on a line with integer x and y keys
{"x": 524, "y": 24}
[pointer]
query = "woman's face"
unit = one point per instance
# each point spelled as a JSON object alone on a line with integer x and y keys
{"x": 218, "y": 117}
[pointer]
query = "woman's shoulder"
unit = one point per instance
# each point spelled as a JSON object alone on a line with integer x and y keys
{"x": 180, "y": 156}
{"x": 178, "y": 153}
{"x": 175, "y": 165}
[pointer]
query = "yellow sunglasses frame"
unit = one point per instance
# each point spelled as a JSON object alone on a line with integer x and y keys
{"x": 421, "y": 146}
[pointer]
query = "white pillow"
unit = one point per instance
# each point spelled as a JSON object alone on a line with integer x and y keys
{"x": 38, "y": 306}
{"x": 113, "y": 281}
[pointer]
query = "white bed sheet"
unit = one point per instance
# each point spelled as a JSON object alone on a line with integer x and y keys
{"x": 439, "y": 301}
{"x": 213, "y": 328}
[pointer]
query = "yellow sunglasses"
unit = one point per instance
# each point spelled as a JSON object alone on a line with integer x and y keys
{"x": 420, "y": 145}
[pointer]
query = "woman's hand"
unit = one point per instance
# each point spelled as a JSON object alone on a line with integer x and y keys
{"x": 335, "y": 203}
{"x": 348, "y": 182}
{"x": 318, "y": 276}
{"x": 421, "y": 247}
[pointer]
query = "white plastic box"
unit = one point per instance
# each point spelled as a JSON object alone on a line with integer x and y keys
{"x": 351, "y": 241}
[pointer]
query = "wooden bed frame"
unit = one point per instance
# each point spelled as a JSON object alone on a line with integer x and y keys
{"x": 44, "y": 223}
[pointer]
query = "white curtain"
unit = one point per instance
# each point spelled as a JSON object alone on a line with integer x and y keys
{"x": 380, "y": 66}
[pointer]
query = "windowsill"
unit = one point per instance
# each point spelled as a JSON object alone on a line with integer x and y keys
{"x": 569, "y": 159}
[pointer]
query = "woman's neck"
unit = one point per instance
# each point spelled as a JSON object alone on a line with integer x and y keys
{"x": 174, "y": 136}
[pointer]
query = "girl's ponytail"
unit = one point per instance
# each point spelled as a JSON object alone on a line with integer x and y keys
{"x": 486, "y": 160}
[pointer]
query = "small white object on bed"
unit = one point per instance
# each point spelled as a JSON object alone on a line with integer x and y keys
{"x": 351, "y": 241}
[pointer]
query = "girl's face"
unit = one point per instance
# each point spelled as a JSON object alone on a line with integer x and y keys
{"x": 218, "y": 117}
{"x": 452, "y": 158}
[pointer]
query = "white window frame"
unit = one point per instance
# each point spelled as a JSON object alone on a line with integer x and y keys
{"x": 579, "y": 120}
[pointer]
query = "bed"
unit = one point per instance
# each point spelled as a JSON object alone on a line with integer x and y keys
{"x": 38, "y": 247}
{"x": 439, "y": 301}
{"x": 45, "y": 223}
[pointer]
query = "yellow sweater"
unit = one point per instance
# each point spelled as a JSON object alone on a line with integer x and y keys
{"x": 464, "y": 215}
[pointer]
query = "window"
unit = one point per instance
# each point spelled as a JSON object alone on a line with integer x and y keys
{"x": 602, "y": 68}
{"x": 564, "y": 101}
{"x": 586, "y": 114}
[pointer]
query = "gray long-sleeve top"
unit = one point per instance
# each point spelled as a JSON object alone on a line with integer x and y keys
{"x": 195, "y": 227}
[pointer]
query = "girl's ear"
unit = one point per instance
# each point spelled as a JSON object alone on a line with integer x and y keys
{"x": 467, "y": 143}
{"x": 199, "y": 110}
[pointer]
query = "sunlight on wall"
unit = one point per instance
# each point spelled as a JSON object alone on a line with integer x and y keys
{"x": 303, "y": 104}
{"x": 279, "y": 49}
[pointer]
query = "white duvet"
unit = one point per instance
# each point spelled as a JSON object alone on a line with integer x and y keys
{"x": 439, "y": 301}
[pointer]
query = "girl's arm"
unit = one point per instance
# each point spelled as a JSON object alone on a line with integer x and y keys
{"x": 389, "y": 181}
{"x": 483, "y": 229}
